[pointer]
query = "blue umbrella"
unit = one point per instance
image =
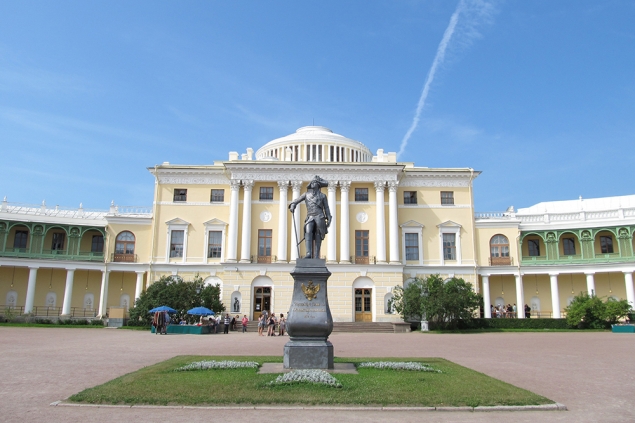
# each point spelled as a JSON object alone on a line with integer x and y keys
{"x": 200, "y": 311}
{"x": 163, "y": 308}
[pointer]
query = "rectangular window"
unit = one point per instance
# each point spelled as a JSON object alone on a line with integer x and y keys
{"x": 264, "y": 243}
{"x": 58, "y": 241}
{"x": 176, "y": 243}
{"x": 447, "y": 198}
{"x": 534, "y": 248}
{"x": 606, "y": 243}
{"x": 97, "y": 245}
{"x": 568, "y": 246}
{"x": 20, "y": 239}
{"x": 180, "y": 194}
{"x": 266, "y": 193}
{"x": 361, "y": 194}
{"x": 361, "y": 247}
{"x": 412, "y": 247}
{"x": 410, "y": 197}
{"x": 217, "y": 196}
{"x": 214, "y": 248}
{"x": 449, "y": 246}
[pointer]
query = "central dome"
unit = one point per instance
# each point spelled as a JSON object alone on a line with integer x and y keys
{"x": 314, "y": 144}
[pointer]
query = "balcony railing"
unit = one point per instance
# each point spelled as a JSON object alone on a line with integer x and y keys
{"x": 44, "y": 311}
{"x": 53, "y": 254}
{"x": 501, "y": 261}
{"x": 125, "y": 258}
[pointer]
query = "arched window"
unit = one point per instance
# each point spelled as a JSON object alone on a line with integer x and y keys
{"x": 499, "y": 250}
{"x": 124, "y": 247}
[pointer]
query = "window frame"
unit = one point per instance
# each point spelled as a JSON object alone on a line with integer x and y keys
{"x": 568, "y": 243}
{"x": 361, "y": 195}
{"x": 536, "y": 248}
{"x": 411, "y": 251}
{"x": 179, "y": 195}
{"x": 92, "y": 244}
{"x": 217, "y": 198}
{"x": 57, "y": 241}
{"x": 26, "y": 239}
{"x": 500, "y": 246}
{"x": 447, "y": 198}
{"x": 217, "y": 246}
{"x": 265, "y": 195}
{"x": 265, "y": 237}
{"x": 606, "y": 243}
{"x": 449, "y": 246}
{"x": 174, "y": 252}
{"x": 410, "y": 197}
{"x": 363, "y": 236}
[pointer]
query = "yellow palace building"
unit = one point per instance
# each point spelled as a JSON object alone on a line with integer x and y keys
{"x": 229, "y": 222}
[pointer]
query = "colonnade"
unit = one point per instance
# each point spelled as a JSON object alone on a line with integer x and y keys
{"x": 555, "y": 295}
{"x": 343, "y": 218}
{"x": 68, "y": 289}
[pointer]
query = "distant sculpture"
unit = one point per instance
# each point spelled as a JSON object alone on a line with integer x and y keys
{"x": 318, "y": 217}
{"x": 236, "y": 305}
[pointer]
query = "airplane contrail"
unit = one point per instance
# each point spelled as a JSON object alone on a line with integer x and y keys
{"x": 438, "y": 59}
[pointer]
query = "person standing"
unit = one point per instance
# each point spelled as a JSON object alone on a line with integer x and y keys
{"x": 281, "y": 325}
{"x": 271, "y": 325}
{"x": 527, "y": 311}
{"x": 227, "y": 323}
{"x": 244, "y": 322}
{"x": 261, "y": 324}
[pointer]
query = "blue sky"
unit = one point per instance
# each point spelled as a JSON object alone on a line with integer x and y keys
{"x": 538, "y": 95}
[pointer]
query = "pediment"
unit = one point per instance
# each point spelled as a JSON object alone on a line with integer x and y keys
{"x": 215, "y": 222}
{"x": 412, "y": 224}
{"x": 449, "y": 224}
{"x": 177, "y": 221}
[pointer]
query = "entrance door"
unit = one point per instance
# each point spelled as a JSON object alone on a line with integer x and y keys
{"x": 262, "y": 300}
{"x": 363, "y": 305}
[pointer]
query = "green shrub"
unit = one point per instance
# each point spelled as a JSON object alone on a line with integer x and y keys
{"x": 478, "y": 324}
{"x": 44, "y": 321}
{"x": 591, "y": 312}
{"x": 97, "y": 322}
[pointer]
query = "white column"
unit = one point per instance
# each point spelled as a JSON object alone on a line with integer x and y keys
{"x": 139, "y": 287}
{"x": 232, "y": 238}
{"x": 296, "y": 186}
{"x": 393, "y": 223}
{"x": 380, "y": 222}
{"x": 282, "y": 221}
{"x": 331, "y": 256}
{"x": 245, "y": 242}
{"x": 68, "y": 292}
{"x": 486, "y": 298}
{"x": 103, "y": 295}
{"x": 30, "y": 290}
{"x": 520, "y": 297}
{"x": 590, "y": 283}
{"x": 345, "y": 256}
{"x": 555, "y": 296}
{"x": 630, "y": 294}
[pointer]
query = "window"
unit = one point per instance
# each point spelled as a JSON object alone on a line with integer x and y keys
{"x": 180, "y": 194}
{"x": 266, "y": 193}
{"x": 264, "y": 245}
{"x": 214, "y": 245}
{"x": 217, "y": 196}
{"x": 606, "y": 243}
{"x": 534, "y": 248}
{"x": 447, "y": 198}
{"x": 568, "y": 246}
{"x": 20, "y": 239}
{"x": 410, "y": 197}
{"x": 449, "y": 246}
{"x": 412, "y": 247}
{"x": 124, "y": 243}
{"x": 97, "y": 245}
{"x": 58, "y": 241}
{"x": 499, "y": 246}
{"x": 361, "y": 247}
{"x": 361, "y": 194}
{"x": 176, "y": 243}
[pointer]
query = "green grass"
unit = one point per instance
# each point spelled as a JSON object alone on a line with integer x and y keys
{"x": 47, "y": 325}
{"x": 494, "y": 330}
{"x": 160, "y": 384}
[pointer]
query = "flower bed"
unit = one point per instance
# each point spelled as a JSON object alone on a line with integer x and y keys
{"x": 307, "y": 376}
{"x": 213, "y": 364}
{"x": 399, "y": 365}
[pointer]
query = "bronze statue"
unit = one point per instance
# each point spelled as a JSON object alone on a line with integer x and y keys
{"x": 318, "y": 217}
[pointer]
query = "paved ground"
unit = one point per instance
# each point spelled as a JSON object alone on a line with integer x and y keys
{"x": 593, "y": 374}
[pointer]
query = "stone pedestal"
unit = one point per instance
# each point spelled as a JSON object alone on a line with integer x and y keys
{"x": 309, "y": 321}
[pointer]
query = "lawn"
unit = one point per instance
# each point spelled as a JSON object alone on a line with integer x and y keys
{"x": 454, "y": 386}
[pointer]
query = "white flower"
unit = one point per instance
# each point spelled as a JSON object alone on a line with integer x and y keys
{"x": 307, "y": 376}
{"x": 399, "y": 365}
{"x": 213, "y": 364}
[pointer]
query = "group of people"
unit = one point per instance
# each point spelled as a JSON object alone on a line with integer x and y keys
{"x": 271, "y": 322}
{"x": 160, "y": 322}
{"x": 229, "y": 322}
{"x": 509, "y": 311}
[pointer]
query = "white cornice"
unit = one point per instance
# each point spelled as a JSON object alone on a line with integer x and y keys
{"x": 129, "y": 220}
{"x": 294, "y": 171}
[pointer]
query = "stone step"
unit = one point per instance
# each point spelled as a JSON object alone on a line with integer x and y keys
{"x": 372, "y": 327}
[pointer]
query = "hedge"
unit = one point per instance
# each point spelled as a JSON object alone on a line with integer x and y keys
{"x": 476, "y": 324}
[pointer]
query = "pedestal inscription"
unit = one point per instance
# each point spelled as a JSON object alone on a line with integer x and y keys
{"x": 309, "y": 321}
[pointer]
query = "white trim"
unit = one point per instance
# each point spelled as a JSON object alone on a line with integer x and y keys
{"x": 176, "y": 225}
{"x": 215, "y": 225}
{"x": 450, "y": 227}
{"x": 412, "y": 227}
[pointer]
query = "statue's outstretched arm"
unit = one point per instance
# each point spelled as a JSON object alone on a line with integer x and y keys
{"x": 295, "y": 202}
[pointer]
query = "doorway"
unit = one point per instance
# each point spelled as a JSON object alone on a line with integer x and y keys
{"x": 363, "y": 302}
{"x": 262, "y": 300}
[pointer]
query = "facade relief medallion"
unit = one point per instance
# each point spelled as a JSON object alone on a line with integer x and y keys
{"x": 362, "y": 217}
{"x": 265, "y": 216}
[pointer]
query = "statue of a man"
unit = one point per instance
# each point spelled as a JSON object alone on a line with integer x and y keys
{"x": 318, "y": 217}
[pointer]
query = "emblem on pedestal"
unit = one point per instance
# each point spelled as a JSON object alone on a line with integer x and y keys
{"x": 310, "y": 291}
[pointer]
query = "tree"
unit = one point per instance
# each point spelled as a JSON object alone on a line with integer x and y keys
{"x": 181, "y": 295}
{"x": 591, "y": 312}
{"x": 444, "y": 303}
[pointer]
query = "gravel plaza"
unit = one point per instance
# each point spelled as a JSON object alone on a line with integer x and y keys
{"x": 592, "y": 373}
